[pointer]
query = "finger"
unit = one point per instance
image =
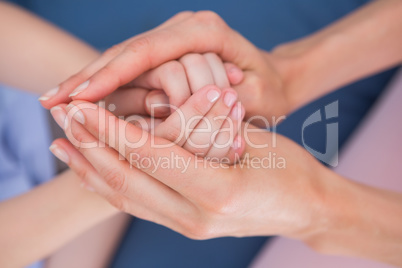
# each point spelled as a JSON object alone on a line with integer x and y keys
{"x": 217, "y": 69}
{"x": 136, "y": 146}
{"x": 152, "y": 49}
{"x": 198, "y": 72}
{"x": 92, "y": 181}
{"x": 171, "y": 78}
{"x": 139, "y": 199}
{"x": 79, "y": 81}
{"x": 126, "y": 181}
{"x": 204, "y": 133}
{"x": 225, "y": 138}
{"x": 178, "y": 126}
{"x": 127, "y": 101}
{"x": 144, "y": 122}
{"x": 157, "y": 104}
{"x": 234, "y": 74}
{"x": 236, "y": 151}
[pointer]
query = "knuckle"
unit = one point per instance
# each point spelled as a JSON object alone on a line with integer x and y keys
{"x": 198, "y": 108}
{"x": 115, "y": 178}
{"x": 209, "y": 17}
{"x": 172, "y": 68}
{"x": 113, "y": 51}
{"x": 192, "y": 59}
{"x": 83, "y": 173}
{"x": 183, "y": 15}
{"x": 144, "y": 42}
{"x": 173, "y": 132}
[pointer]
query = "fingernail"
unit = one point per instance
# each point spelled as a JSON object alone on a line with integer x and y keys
{"x": 237, "y": 143}
{"x": 236, "y": 75}
{"x": 79, "y": 116}
{"x": 49, "y": 94}
{"x": 80, "y": 89}
{"x": 87, "y": 186}
{"x": 234, "y": 69}
{"x": 237, "y": 112}
{"x": 229, "y": 99}
{"x": 158, "y": 103}
{"x": 59, "y": 116}
{"x": 213, "y": 95}
{"x": 76, "y": 113}
{"x": 59, "y": 153}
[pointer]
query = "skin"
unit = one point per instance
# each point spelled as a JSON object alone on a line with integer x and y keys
{"x": 62, "y": 209}
{"x": 72, "y": 208}
{"x": 44, "y": 45}
{"x": 306, "y": 201}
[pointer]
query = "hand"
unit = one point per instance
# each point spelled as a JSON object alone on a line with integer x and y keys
{"x": 200, "y": 199}
{"x": 263, "y": 91}
{"x": 207, "y": 124}
{"x": 171, "y": 84}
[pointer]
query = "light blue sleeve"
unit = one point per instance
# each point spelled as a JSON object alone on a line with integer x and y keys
{"x": 25, "y": 160}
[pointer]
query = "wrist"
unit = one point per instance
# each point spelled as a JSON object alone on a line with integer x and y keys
{"x": 309, "y": 68}
{"x": 357, "y": 220}
{"x": 334, "y": 214}
{"x": 294, "y": 62}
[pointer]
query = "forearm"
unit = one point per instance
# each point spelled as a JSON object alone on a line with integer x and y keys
{"x": 40, "y": 221}
{"x": 363, "y": 43}
{"x": 95, "y": 248}
{"x": 35, "y": 55}
{"x": 359, "y": 220}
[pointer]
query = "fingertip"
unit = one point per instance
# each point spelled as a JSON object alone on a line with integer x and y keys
{"x": 59, "y": 150}
{"x": 212, "y": 92}
{"x": 238, "y": 148}
{"x": 157, "y": 104}
{"x": 234, "y": 73}
{"x": 48, "y": 95}
{"x": 241, "y": 145}
{"x": 81, "y": 105}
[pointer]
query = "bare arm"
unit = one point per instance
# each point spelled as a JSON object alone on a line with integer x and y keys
{"x": 95, "y": 248}
{"x": 363, "y": 43}
{"x": 39, "y": 222}
{"x": 35, "y": 55}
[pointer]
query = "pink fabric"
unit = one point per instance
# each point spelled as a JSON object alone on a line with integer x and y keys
{"x": 373, "y": 156}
